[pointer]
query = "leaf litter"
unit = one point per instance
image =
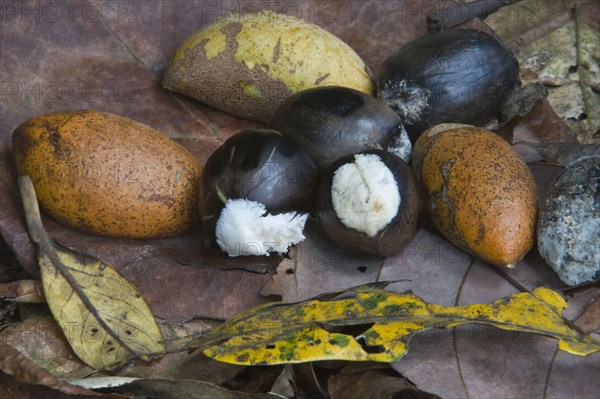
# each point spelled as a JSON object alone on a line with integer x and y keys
{"x": 363, "y": 48}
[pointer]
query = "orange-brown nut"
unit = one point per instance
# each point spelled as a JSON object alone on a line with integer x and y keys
{"x": 479, "y": 192}
{"x": 105, "y": 174}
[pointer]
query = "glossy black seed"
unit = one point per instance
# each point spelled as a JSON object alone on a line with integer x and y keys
{"x": 455, "y": 76}
{"x": 259, "y": 165}
{"x": 331, "y": 122}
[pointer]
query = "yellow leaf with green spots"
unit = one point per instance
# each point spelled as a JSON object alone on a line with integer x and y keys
{"x": 368, "y": 323}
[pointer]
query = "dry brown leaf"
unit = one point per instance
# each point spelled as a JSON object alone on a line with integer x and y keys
{"x": 24, "y": 291}
{"x": 25, "y": 371}
{"x": 284, "y": 385}
{"x": 589, "y": 320}
{"x": 562, "y": 154}
{"x": 178, "y": 365}
{"x": 374, "y": 384}
{"x": 39, "y": 338}
{"x": 183, "y": 389}
{"x": 112, "y": 60}
{"x": 540, "y": 124}
{"x": 317, "y": 265}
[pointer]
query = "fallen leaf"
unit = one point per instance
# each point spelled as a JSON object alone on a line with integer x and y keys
{"x": 102, "y": 382}
{"x": 176, "y": 364}
{"x": 253, "y": 380}
{"x": 522, "y": 100}
{"x": 471, "y": 361}
{"x": 103, "y": 316}
{"x": 541, "y": 124}
{"x": 11, "y": 388}
{"x": 284, "y": 385}
{"x": 24, "y": 370}
{"x": 589, "y": 320}
{"x": 317, "y": 265}
{"x": 112, "y": 60}
{"x": 24, "y": 291}
{"x": 565, "y": 60}
{"x": 588, "y": 79}
{"x": 41, "y": 340}
{"x": 311, "y": 382}
{"x": 561, "y": 154}
{"x": 544, "y": 175}
{"x": 374, "y": 384}
{"x": 184, "y": 389}
{"x": 307, "y": 331}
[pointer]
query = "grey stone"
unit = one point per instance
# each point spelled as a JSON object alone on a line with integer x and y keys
{"x": 569, "y": 223}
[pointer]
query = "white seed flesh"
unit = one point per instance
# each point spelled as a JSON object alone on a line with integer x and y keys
{"x": 365, "y": 194}
{"x": 246, "y": 228}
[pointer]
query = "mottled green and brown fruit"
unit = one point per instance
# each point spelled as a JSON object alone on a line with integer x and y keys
{"x": 479, "y": 192}
{"x": 247, "y": 64}
{"x": 105, "y": 174}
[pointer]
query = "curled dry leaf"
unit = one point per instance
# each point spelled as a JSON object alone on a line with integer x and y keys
{"x": 313, "y": 330}
{"x": 103, "y": 316}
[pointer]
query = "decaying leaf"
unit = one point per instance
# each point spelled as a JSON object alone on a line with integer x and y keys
{"x": 41, "y": 340}
{"x": 317, "y": 263}
{"x": 285, "y": 383}
{"x": 23, "y": 370}
{"x": 188, "y": 389}
{"x": 589, "y": 320}
{"x": 381, "y": 324}
{"x": 560, "y": 153}
{"x": 103, "y": 316}
{"x": 119, "y": 58}
{"x": 374, "y": 384}
{"x": 24, "y": 291}
{"x": 566, "y": 60}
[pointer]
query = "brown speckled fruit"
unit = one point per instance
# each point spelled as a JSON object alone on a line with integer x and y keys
{"x": 479, "y": 192}
{"x": 105, "y": 174}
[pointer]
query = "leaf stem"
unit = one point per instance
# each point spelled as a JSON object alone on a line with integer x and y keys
{"x": 36, "y": 229}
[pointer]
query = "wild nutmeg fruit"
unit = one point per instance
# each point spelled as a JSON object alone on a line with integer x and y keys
{"x": 105, "y": 174}
{"x": 246, "y": 64}
{"x": 331, "y": 122}
{"x": 454, "y": 76}
{"x": 478, "y": 192}
{"x": 256, "y": 191}
{"x": 368, "y": 203}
